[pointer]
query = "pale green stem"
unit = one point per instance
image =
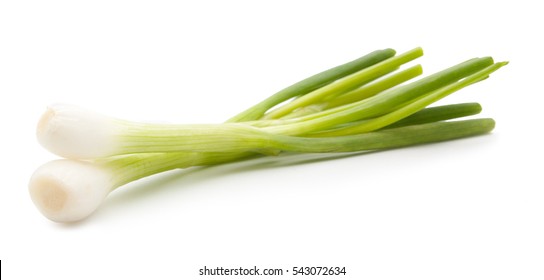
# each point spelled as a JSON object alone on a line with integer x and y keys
{"x": 133, "y": 167}
{"x": 361, "y": 93}
{"x": 376, "y": 87}
{"x": 386, "y": 83}
{"x": 347, "y": 84}
{"x": 136, "y": 166}
{"x": 277, "y": 122}
{"x": 314, "y": 82}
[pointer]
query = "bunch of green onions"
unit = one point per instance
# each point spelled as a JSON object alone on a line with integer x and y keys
{"x": 365, "y": 104}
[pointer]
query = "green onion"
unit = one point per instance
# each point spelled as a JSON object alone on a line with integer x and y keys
{"x": 358, "y": 106}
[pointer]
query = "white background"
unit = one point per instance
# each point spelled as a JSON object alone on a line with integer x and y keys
{"x": 467, "y": 209}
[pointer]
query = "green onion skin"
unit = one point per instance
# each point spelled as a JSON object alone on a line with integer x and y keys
{"x": 312, "y": 83}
